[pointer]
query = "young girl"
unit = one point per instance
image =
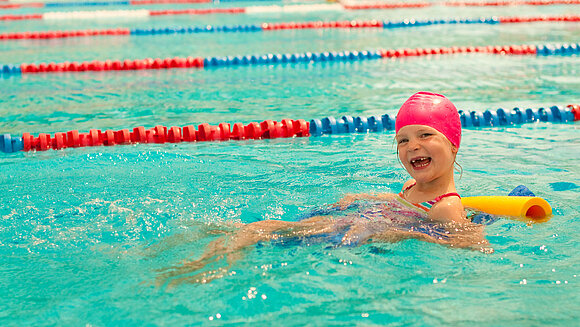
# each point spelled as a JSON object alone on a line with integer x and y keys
{"x": 428, "y": 134}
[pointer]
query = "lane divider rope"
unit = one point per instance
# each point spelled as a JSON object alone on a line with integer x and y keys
{"x": 267, "y": 129}
{"x": 389, "y": 5}
{"x": 282, "y": 26}
{"x": 144, "y": 13}
{"x": 97, "y": 3}
{"x": 512, "y": 3}
{"x": 270, "y": 129}
{"x": 271, "y": 59}
{"x": 269, "y": 8}
{"x": 367, "y": 6}
{"x": 469, "y": 119}
{"x": 20, "y": 5}
{"x": 125, "y": 14}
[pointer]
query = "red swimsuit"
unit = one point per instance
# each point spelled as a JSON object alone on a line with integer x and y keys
{"x": 423, "y": 206}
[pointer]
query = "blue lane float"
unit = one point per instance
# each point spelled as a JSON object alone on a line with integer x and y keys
{"x": 290, "y": 58}
{"x": 564, "y": 49}
{"x": 452, "y": 21}
{"x": 469, "y": 119}
{"x": 9, "y": 70}
{"x": 86, "y": 4}
{"x": 9, "y": 143}
{"x": 196, "y": 29}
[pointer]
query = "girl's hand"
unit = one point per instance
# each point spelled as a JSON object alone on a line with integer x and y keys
{"x": 347, "y": 200}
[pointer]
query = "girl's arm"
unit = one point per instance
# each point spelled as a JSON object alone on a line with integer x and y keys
{"x": 459, "y": 232}
{"x": 449, "y": 212}
{"x": 468, "y": 236}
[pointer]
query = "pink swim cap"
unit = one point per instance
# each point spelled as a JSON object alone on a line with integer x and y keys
{"x": 433, "y": 110}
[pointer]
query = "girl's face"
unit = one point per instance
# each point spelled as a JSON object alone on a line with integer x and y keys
{"x": 425, "y": 153}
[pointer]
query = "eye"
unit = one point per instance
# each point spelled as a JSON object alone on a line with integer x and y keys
{"x": 424, "y": 135}
{"x": 402, "y": 141}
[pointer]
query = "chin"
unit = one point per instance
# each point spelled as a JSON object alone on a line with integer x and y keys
{"x": 422, "y": 178}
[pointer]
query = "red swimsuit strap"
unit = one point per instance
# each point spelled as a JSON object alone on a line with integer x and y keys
{"x": 437, "y": 199}
{"x": 442, "y": 196}
{"x": 408, "y": 187}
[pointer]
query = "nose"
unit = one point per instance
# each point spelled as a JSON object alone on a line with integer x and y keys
{"x": 413, "y": 145}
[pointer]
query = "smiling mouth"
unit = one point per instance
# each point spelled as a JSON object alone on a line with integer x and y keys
{"x": 420, "y": 162}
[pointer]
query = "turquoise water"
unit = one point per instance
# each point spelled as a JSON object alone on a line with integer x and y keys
{"x": 84, "y": 231}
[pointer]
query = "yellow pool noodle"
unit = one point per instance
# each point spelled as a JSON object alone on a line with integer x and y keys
{"x": 527, "y": 207}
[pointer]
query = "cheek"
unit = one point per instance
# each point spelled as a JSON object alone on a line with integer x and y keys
{"x": 449, "y": 156}
{"x": 401, "y": 156}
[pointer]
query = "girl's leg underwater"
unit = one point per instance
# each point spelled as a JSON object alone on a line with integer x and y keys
{"x": 231, "y": 247}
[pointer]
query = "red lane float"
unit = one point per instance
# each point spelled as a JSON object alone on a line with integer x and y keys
{"x": 568, "y": 18}
{"x": 508, "y": 49}
{"x": 120, "y": 13}
{"x": 575, "y": 109}
{"x": 512, "y": 3}
{"x": 108, "y": 65}
{"x": 267, "y": 129}
{"x": 387, "y": 6}
{"x": 198, "y": 11}
{"x": 63, "y": 34}
{"x": 368, "y": 6}
{"x": 163, "y": 2}
{"x": 316, "y": 25}
{"x": 21, "y": 17}
{"x": 22, "y": 5}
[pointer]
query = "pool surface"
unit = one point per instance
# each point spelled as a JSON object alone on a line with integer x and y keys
{"x": 85, "y": 231}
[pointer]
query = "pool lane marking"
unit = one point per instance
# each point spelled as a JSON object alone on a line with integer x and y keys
{"x": 469, "y": 119}
{"x": 271, "y": 59}
{"x": 406, "y": 23}
{"x": 267, "y": 129}
{"x": 270, "y": 129}
{"x": 13, "y": 5}
{"x": 366, "y": 6}
{"x": 125, "y": 14}
{"x": 144, "y": 13}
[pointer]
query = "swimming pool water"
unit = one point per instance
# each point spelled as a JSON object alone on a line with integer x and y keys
{"x": 84, "y": 231}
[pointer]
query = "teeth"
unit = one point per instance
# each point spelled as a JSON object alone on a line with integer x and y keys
{"x": 416, "y": 162}
{"x": 423, "y": 165}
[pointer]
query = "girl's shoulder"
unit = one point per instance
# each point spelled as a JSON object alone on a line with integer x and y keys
{"x": 448, "y": 209}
